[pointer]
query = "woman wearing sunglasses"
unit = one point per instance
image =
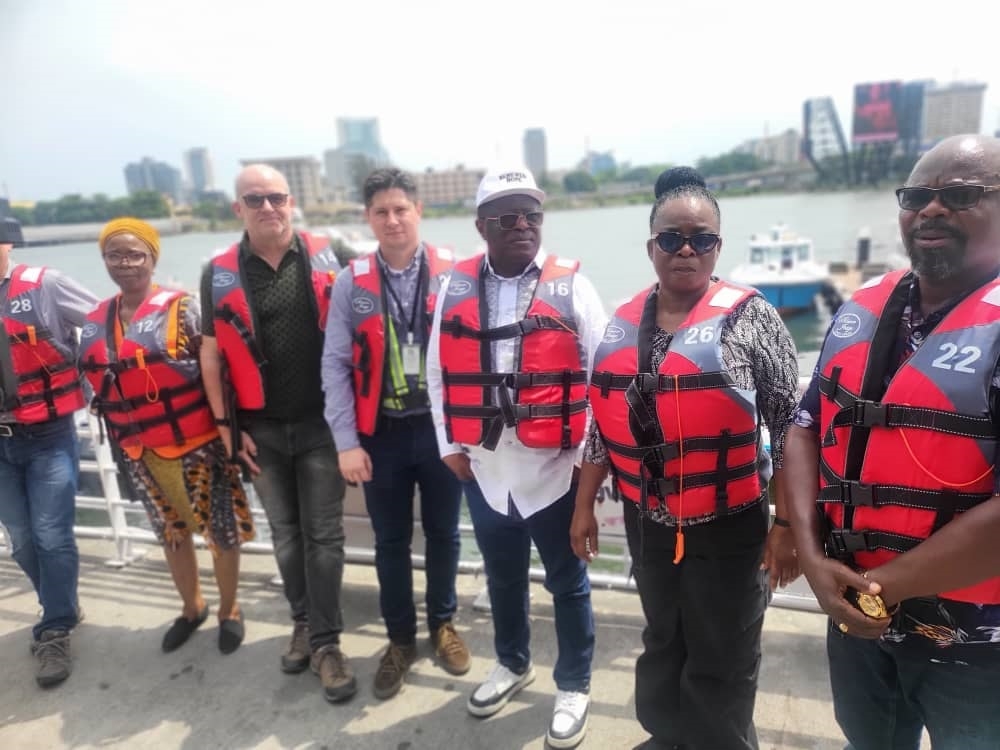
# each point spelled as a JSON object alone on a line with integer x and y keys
{"x": 139, "y": 350}
{"x": 687, "y": 373}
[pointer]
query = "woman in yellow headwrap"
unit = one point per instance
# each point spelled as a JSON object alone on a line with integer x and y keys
{"x": 139, "y": 350}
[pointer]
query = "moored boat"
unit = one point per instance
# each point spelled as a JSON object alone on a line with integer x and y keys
{"x": 780, "y": 264}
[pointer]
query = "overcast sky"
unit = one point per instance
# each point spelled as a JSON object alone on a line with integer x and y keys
{"x": 90, "y": 86}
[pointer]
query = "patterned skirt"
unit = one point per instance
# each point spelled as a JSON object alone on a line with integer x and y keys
{"x": 200, "y": 491}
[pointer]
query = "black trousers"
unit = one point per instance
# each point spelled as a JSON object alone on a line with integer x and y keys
{"x": 696, "y": 680}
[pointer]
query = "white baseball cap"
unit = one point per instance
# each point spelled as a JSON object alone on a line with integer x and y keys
{"x": 498, "y": 182}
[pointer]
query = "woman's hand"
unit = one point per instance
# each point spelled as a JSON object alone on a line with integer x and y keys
{"x": 779, "y": 557}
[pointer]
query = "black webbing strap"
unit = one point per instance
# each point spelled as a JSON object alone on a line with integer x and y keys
{"x": 458, "y": 329}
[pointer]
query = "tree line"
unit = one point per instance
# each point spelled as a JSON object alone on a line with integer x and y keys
{"x": 78, "y": 209}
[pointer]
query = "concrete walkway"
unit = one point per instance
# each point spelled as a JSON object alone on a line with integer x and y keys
{"x": 125, "y": 693}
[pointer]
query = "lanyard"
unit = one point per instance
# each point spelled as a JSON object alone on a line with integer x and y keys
{"x": 412, "y": 326}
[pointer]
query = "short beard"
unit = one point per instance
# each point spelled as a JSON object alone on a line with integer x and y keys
{"x": 937, "y": 264}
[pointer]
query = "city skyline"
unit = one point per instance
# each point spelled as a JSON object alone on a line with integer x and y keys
{"x": 158, "y": 81}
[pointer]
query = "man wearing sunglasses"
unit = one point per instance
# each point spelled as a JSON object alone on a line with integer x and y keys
{"x": 513, "y": 339}
{"x": 264, "y": 306}
{"x": 897, "y": 439}
{"x": 378, "y": 410}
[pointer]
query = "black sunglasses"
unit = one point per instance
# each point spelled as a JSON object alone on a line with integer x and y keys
{"x": 509, "y": 221}
{"x": 672, "y": 242}
{"x": 952, "y": 197}
{"x": 277, "y": 200}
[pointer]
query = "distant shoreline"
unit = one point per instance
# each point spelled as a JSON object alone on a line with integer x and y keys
{"x": 64, "y": 234}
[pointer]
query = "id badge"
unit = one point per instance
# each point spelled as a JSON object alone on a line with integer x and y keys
{"x": 411, "y": 359}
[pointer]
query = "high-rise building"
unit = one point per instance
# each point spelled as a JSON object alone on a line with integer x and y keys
{"x": 199, "y": 170}
{"x": 823, "y": 142}
{"x": 449, "y": 187}
{"x": 359, "y": 147}
{"x": 302, "y": 174}
{"x": 952, "y": 109}
{"x": 535, "y": 152}
{"x": 149, "y": 174}
{"x": 784, "y": 148}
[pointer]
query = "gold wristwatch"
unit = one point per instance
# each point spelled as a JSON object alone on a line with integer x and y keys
{"x": 872, "y": 605}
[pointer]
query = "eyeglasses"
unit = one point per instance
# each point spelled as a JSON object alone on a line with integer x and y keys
{"x": 509, "y": 221}
{"x": 672, "y": 242}
{"x": 133, "y": 258}
{"x": 277, "y": 200}
{"x": 952, "y": 197}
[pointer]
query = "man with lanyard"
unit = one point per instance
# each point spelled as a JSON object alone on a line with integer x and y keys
{"x": 39, "y": 457}
{"x": 897, "y": 440}
{"x": 512, "y": 343}
{"x": 264, "y": 303}
{"x": 377, "y": 408}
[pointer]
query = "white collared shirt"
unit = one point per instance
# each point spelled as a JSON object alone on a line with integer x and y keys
{"x": 529, "y": 478}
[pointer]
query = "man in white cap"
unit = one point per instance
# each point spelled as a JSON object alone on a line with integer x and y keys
{"x": 507, "y": 364}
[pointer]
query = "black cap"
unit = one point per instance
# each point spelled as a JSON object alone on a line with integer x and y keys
{"x": 10, "y": 231}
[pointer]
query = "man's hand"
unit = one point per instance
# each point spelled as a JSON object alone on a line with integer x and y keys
{"x": 355, "y": 465}
{"x": 248, "y": 449}
{"x": 830, "y": 580}
{"x": 459, "y": 465}
{"x": 583, "y": 533}
{"x": 779, "y": 557}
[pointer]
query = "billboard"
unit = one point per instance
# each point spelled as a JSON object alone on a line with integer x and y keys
{"x": 876, "y": 112}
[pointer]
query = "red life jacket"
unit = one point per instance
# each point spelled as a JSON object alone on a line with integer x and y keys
{"x": 368, "y": 323}
{"x": 148, "y": 390}
{"x": 234, "y": 324}
{"x": 549, "y": 403}
{"x": 698, "y": 452}
{"x": 44, "y": 367}
{"x": 898, "y": 462}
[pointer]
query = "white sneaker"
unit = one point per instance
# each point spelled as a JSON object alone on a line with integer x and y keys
{"x": 500, "y": 686}
{"x": 569, "y": 719}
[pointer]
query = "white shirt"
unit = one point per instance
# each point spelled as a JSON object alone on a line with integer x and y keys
{"x": 530, "y": 478}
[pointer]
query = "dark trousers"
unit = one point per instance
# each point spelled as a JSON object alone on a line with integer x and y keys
{"x": 505, "y": 543}
{"x": 885, "y": 693}
{"x": 696, "y": 680}
{"x": 302, "y": 492}
{"x": 404, "y": 455}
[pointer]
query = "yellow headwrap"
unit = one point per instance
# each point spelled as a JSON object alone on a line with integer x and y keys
{"x": 128, "y": 225}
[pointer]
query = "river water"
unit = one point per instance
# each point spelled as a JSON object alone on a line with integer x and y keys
{"x": 609, "y": 242}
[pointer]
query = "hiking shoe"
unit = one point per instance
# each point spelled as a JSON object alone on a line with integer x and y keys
{"x": 500, "y": 686}
{"x": 392, "y": 668}
{"x": 569, "y": 719}
{"x": 55, "y": 662}
{"x": 450, "y": 650}
{"x": 296, "y": 656}
{"x": 334, "y": 672}
{"x": 41, "y": 613}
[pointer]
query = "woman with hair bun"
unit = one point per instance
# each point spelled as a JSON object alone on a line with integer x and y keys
{"x": 688, "y": 372}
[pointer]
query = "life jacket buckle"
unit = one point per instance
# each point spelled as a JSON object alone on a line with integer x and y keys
{"x": 842, "y": 544}
{"x": 647, "y": 382}
{"x": 855, "y": 494}
{"x": 869, "y": 414}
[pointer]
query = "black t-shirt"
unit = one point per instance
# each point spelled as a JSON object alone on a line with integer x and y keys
{"x": 285, "y": 317}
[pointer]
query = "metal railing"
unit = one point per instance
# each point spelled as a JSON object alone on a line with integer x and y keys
{"x": 126, "y": 532}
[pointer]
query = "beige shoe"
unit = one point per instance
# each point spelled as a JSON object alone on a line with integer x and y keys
{"x": 451, "y": 650}
{"x": 392, "y": 669}
{"x": 334, "y": 672}
{"x": 296, "y": 656}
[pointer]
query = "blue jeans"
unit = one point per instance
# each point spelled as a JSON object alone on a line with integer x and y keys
{"x": 505, "y": 543}
{"x": 39, "y": 468}
{"x": 302, "y": 492}
{"x": 885, "y": 693}
{"x": 404, "y": 454}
